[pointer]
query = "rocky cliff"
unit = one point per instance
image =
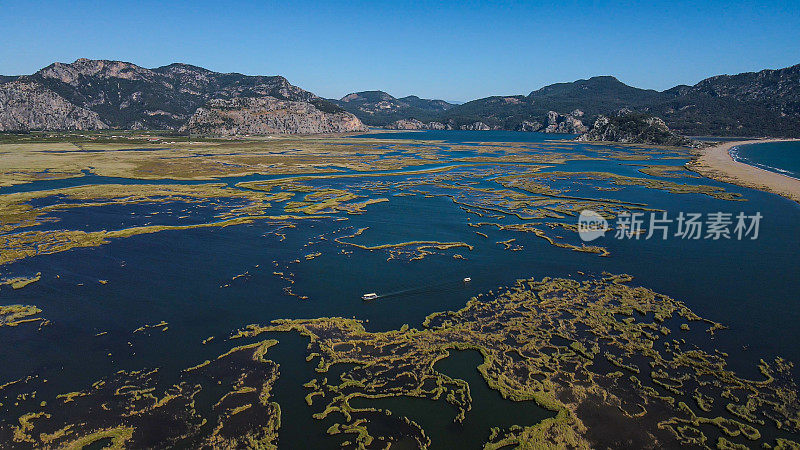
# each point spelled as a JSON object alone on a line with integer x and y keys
{"x": 476, "y": 126}
{"x": 414, "y": 124}
{"x": 631, "y": 128}
{"x": 268, "y": 115}
{"x": 565, "y": 123}
{"x": 27, "y": 105}
{"x": 529, "y": 125}
{"x": 118, "y": 94}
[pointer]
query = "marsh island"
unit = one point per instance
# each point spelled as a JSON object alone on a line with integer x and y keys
{"x": 207, "y": 292}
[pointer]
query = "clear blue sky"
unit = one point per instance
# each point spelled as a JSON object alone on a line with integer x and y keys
{"x": 448, "y": 50}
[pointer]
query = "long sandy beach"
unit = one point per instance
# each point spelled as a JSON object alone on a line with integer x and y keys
{"x": 716, "y": 163}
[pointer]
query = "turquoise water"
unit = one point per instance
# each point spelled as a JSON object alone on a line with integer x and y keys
{"x": 177, "y": 276}
{"x": 779, "y": 157}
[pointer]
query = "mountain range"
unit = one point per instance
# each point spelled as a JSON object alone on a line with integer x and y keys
{"x": 748, "y": 104}
{"x": 97, "y": 94}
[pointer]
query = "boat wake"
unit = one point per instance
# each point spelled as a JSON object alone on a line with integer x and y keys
{"x": 426, "y": 288}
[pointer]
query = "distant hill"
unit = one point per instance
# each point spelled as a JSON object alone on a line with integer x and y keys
{"x": 94, "y": 94}
{"x": 377, "y": 108}
{"x": 593, "y": 96}
{"x": 747, "y": 104}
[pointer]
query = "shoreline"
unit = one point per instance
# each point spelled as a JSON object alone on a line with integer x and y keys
{"x": 717, "y": 163}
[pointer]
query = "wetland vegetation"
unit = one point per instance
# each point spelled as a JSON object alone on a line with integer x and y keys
{"x": 206, "y": 293}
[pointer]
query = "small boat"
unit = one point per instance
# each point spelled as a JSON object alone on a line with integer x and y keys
{"x": 467, "y": 279}
{"x": 370, "y": 296}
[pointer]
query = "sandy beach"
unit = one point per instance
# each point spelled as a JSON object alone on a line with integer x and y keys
{"x": 716, "y": 163}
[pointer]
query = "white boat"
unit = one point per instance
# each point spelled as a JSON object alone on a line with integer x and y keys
{"x": 370, "y": 296}
{"x": 467, "y": 279}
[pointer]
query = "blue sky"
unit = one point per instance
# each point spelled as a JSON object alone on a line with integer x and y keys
{"x": 449, "y": 50}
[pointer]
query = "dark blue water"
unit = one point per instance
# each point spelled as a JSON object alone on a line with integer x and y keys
{"x": 176, "y": 276}
{"x": 779, "y": 157}
{"x": 186, "y": 279}
{"x": 462, "y": 136}
{"x": 489, "y": 408}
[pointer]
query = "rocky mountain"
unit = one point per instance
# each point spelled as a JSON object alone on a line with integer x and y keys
{"x": 377, "y": 108}
{"x": 95, "y": 94}
{"x": 267, "y": 115}
{"x": 519, "y": 112}
{"x": 28, "y": 105}
{"x": 747, "y": 104}
{"x": 118, "y": 94}
{"x": 765, "y": 103}
{"x": 597, "y": 95}
{"x": 633, "y": 128}
{"x": 778, "y": 88}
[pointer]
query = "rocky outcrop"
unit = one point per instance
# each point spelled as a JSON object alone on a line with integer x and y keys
{"x": 414, "y": 124}
{"x": 565, "y": 123}
{"x": 633, "y": 128}
{"x": 268, "y": 115}
{"x": 529, "y": 126}
{"x": 407, "y": 124}
{"x": 439, "y": 126}
{"x": 476, "y": 126}
{"x": 27, "y": 105}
